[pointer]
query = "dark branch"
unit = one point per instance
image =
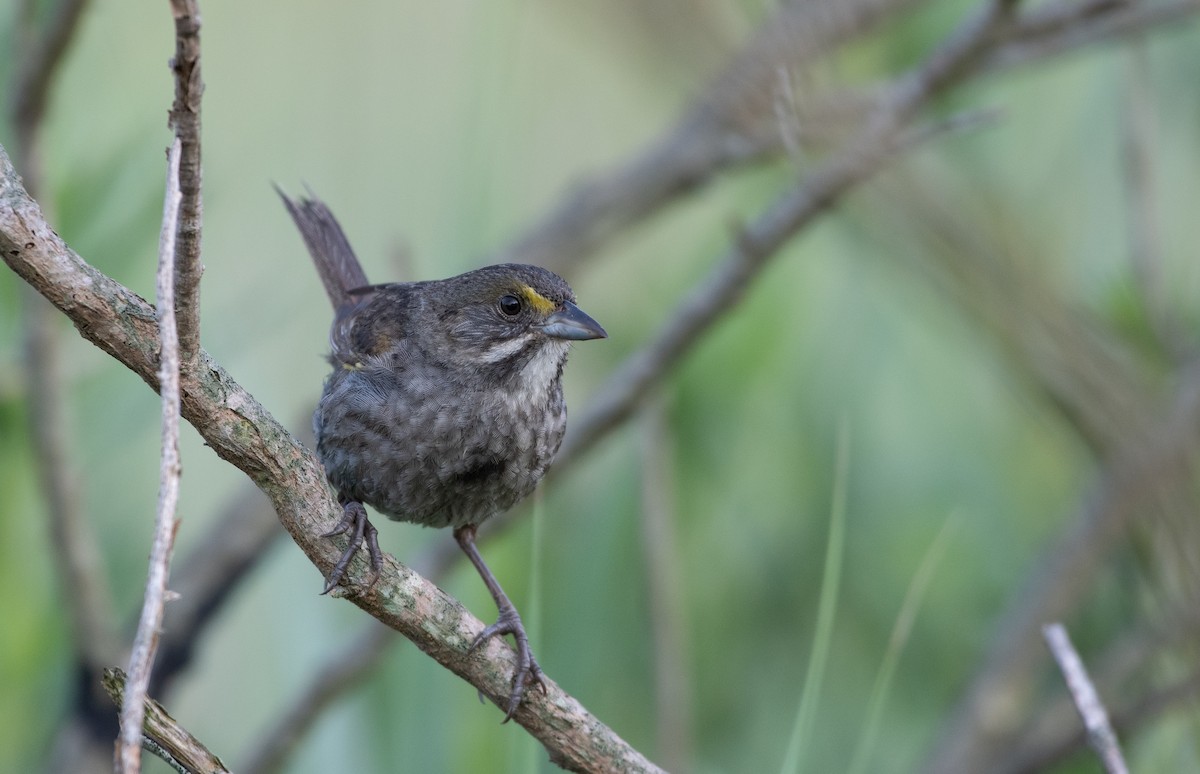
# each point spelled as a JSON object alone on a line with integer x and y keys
{"x": 185, "y": 120}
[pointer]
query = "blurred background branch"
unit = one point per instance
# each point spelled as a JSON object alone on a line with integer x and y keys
{"x": 45, "y": 32}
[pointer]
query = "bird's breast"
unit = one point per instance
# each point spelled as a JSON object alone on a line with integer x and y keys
{"x": 420, "y": 447}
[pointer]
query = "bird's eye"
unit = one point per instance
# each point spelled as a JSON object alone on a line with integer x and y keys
{"x": 510, "y": 305}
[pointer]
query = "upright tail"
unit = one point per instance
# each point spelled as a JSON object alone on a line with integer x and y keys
{"x": 340, "y": 270}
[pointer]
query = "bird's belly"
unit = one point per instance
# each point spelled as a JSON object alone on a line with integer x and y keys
{"x": 437, "y": 460}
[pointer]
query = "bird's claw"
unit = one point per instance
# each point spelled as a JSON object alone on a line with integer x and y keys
{"x": 354, "y": 517}
{"x": 528, "y": 672}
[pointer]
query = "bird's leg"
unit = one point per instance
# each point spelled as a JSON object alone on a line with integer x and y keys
{"x": 354, "y": 516}
{"x": 509, "y": 622}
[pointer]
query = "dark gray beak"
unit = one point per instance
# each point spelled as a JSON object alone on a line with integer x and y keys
{"x": 572, "y": 323}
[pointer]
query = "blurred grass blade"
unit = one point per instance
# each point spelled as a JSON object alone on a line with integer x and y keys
{"x": 830, "y": 581}
{"x": 913, "y": 598}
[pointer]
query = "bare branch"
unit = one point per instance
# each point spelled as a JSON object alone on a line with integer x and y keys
{"x": 1054, "y": 733}
{"x": 145, "y": 643}
{"x": 734, "y": 120}
{"x": 185, "y": 120}
{"x": 715, "y": 296}
{"x": 162, "y": 734}
{"x": 1095, "y": 718}
{"x": 1127, "y": 720}
{"x": 723, "y": 126}
{"x": 1054, "y": 28}
{"x": 242, "y": 432}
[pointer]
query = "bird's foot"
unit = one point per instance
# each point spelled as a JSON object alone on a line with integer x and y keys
{"x": 528, "y": 672}
{"x": 355, "y": 521}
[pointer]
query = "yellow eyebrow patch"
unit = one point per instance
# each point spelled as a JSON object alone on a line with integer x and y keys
{"x": 537, "y": 300}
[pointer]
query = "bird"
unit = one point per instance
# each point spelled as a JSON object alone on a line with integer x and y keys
{"x": 444, "y": 406}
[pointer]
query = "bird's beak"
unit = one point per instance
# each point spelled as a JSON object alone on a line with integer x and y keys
{"x": 573, "y": 323}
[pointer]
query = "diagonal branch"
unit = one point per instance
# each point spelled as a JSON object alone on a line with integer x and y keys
{"x": 732, "y": 122}
{"x": 243, "y": 433}
{"x": 1087, "y": 699}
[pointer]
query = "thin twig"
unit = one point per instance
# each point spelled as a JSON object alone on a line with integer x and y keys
{"x": 185, "y": 120}
{"x": 145, "y": 643}
{"x": 1091, "y": 709}
{"x": 1126, "y": 720}
{"x": 1054, "y": 733}
{"x": 162, "y": 735}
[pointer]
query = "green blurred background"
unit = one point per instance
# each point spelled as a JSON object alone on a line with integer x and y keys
{"x": 437, "y": 132}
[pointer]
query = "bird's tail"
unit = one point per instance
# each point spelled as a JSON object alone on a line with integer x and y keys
{"x": 340, "y": 271}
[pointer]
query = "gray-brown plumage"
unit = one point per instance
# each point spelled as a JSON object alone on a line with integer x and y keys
{"x": 445, "y": 404}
